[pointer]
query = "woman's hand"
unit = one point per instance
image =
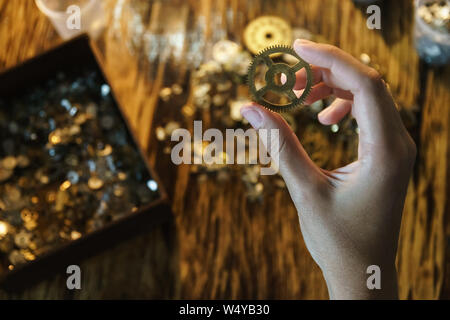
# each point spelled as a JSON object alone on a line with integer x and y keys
{"x": 350, "y": 217}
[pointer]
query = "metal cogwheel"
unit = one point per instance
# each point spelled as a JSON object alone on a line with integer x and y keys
{"x": 225, "y": 50}
{"x": 275, "y": 69}
{"x": 267, "y": 31}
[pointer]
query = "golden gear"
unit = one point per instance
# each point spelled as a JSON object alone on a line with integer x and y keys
{"x": 267, "y": 31}
{"x": 274, "y": 70}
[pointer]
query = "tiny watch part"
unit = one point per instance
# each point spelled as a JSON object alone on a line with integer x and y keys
{"x": 274, "y": 70}
{"x": 267, "y": 31}
{"x": 225, "y": 50}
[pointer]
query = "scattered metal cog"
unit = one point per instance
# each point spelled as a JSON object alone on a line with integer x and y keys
{"x": 266, "y": 31}
{"x": 275, "y": 69}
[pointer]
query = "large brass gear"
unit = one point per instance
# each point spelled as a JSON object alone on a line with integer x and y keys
{"x": 275, "y": 69}
{"x": 266, "y": 31}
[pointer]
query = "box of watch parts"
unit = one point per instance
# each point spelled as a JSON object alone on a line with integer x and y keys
{"x": 73, "y": 180}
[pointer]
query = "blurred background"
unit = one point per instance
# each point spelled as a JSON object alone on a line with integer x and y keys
{"x": 235, "y": 234}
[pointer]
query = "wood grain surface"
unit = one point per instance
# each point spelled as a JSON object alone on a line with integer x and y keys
{"x": 220, "y": 245}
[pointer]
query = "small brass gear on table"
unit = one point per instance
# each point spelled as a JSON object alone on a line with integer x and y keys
{"x": 275, "y": 69}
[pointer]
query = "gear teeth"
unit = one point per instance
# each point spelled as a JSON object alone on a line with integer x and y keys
{"x": 251, "y": 78}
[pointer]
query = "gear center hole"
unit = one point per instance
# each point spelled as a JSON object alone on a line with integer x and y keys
{"x": 278, "y": 77}
{"x": 269, "y": 35}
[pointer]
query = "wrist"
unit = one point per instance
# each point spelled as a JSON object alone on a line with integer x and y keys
{"x": 357, "y": 282}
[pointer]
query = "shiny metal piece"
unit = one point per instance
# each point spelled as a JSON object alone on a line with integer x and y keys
{"x": 95, "y": 183}
{"x": 22, "y": 239}
{"x": 9, "y": 163}
{"x": 5, "y": 174}
{"x": 16, "y": 258}
{"x": 225, "y": 51}
{"x": 4, "y": 229}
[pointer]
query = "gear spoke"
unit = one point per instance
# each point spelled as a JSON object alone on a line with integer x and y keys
{"x": 267, "y": 61}
{"x": 261, "y": 92}
{"x": 291, "y": 95}
{"x": 298, "y": 66}
{"x": 264, "y": 60}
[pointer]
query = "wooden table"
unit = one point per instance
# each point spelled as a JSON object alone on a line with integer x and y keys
{"x": 220, "y": 245}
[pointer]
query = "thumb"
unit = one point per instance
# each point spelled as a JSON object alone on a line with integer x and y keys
{"x": 295, "y": 166}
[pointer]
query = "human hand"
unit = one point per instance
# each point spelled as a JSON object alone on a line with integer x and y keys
{"x": 350, "y": 217}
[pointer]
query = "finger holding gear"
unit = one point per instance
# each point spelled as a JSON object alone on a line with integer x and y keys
{"x": 283, "y": 90}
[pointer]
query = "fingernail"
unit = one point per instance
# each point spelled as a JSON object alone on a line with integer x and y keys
{"x": 323, "y": 113}
{"x": 253, "y": 115}
{"x": 283, "y": 78}
{"x": 300, "y": 44}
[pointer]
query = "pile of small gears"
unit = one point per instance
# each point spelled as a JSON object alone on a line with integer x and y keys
{"x": 68, "y": 166}
{"x": 432, "y": 31}
{"x": 436, "y": 14}
{"x": 219, "y": 89}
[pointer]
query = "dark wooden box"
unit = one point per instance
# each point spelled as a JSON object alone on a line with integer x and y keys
{"x": 67, "y": 57}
